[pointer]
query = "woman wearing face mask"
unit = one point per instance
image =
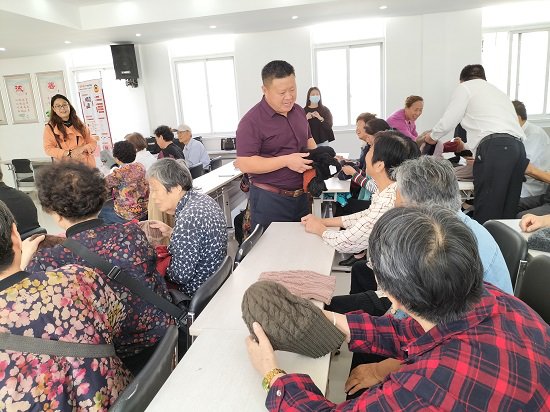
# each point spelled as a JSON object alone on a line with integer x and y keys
{"x": 319, "y": 118}
{"x": 66, "y": 137}
{"x": 404, "y": 119}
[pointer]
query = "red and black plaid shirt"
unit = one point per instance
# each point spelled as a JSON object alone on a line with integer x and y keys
{"x": 496, "y": 359}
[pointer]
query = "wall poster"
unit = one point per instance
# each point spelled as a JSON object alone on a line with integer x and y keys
{"x": 94, "y": 112}
{"x": 21, "y": 98}
{"x": 3, "y": 117}
{"x": 50, "y": 84}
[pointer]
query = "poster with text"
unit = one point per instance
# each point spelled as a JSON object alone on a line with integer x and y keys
{"x": 3, "y": 117}
{"x": 50, "y": 84}
{"x": 21, "y": 98}
{"x": 94, "y": 112}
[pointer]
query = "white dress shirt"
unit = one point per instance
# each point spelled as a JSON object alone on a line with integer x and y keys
{"x": 481, "y": 109}
{"x": 537, "y": 148}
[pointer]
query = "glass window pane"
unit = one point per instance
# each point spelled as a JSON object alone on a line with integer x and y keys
{"x": 494, "y": 57}
{"x": 193, "y": 95}
{"x": 365, "y": 80}
{"x": 532, "y": 70}
{"x": 223, "y": 95}
{"x": 332, "y": 81}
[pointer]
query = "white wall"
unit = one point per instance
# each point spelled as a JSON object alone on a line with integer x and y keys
{"x": 424, "y": 55}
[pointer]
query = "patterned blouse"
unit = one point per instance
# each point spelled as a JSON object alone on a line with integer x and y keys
{"x": 198, "y": 243}
{"x": 71, "y": 304}
{"x": 130, "y": 190}
{"x": 126, "y": 246}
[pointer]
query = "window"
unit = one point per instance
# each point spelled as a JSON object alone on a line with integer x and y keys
{"x": 518, "y": 63}
{"x": 207, "y": 94}
{"x": 350, "y": 80}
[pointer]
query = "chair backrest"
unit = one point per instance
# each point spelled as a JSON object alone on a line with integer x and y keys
{"x": 196, "y": 170}
{"x": 208, "y": 289}
{"x": 141, "y": 391}
{"x": 248, "y": 244}
{"x": 534, "y": 286}
{"x": 36, "y": 231}
{"x": 511, "y": 243}
{"x": 23, "y": 174}
{"x": 215, "y": 162}
{"x": 22, "y": 165}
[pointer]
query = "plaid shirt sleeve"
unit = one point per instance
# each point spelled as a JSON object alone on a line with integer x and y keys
{"x": 359, "y": 225}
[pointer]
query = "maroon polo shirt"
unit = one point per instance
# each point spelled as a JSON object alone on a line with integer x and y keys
{"x": 263, "y": 132}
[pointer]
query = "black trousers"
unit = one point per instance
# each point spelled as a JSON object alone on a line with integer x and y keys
{"x": 499, "y": 170}
{"x": 362, "y": 278}
{"x": 267, "y": 207}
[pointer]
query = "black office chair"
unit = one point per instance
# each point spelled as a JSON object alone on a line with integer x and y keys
{"x": 196, "y": 170}
{"x": 534, "y": 286}
{"x": 141, "y": 391}
{"x": 248, "y": 244}
{"x": 23, "y": 174}
{"x": 215, "y": 162}
{"x": 206, "y": 292}
{"x": 512, "y": 245}
{"x": 37, "y": 231}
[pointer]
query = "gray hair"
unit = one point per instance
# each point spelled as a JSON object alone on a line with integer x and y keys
{"x": 428, "y": 181}
{"x": 428, "y": 260}
{"x": 171, "y": 173}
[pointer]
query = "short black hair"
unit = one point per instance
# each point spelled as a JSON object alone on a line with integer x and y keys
{"x": 393, "y": 148}
{"x": 165, "y": 132}
{"x": 124, "y": 151}
{"x": 471, "y": 72}
{"x": 428, "y": 260}
{"x": 276, "y": 69}
{"x": 6, "y": 245}
{"x": 71, "y": 189}
{"x": 521, "y": 111}
{"x": 376, "y": 125}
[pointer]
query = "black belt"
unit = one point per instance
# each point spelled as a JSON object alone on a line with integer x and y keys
{"x": 495, "y": 135}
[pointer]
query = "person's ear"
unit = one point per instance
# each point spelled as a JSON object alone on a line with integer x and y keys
{"x": 264, "y": 89}
{"x": 16, "y": 238}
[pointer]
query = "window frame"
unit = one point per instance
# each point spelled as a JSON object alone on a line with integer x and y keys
{"x": 204, "y": 60}
{"x": 517, "y": 57}
{"x": 348, "y": 45}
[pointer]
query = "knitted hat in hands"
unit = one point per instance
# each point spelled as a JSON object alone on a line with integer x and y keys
{"x": 291, "y": 323}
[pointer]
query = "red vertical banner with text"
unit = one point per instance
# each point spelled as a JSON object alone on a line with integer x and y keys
{"x": 94, "y": 113}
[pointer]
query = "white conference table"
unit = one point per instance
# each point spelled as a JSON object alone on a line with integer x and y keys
{"x": 216, "y": 374}
{"x": 217, "y": 184}
{"x": 514, "y": 224}
{"x": 466, "y": 189}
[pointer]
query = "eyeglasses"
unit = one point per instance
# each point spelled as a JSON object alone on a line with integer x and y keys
{"x": 61, "y": 106}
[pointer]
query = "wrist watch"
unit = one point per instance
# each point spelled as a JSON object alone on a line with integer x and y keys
{"x": 266, "y": 382}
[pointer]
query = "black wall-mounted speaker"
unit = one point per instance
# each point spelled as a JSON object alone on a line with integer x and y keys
{"x": 124, "y": 61}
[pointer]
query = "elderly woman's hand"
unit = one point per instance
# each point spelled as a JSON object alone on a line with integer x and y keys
{"x": 348, "y": 170}
{"x": 260, "y": 351}
{"x": 28, "y": 249}
{"x": 163, "y": 227}
{"x": 313, "y": 224}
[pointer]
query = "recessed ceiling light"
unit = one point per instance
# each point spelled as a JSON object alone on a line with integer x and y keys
{"x": 383, "y": 7}
{"x": 2, "y": 49}
{"x": 212, "y": 27}
{"x": 138, "y": 34}
{"x": 294, "y": 17}
{"x": 67, "y": 42}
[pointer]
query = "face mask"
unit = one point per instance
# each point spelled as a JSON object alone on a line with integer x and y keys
{"x": 314, "y": 99}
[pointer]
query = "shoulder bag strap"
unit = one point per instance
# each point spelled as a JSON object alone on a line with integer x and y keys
{"x": 55, "y": 136}
{"x": 114, "y": 272}
{"x": 41, "y": 346}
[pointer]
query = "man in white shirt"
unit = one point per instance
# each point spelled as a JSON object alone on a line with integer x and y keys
{"x": 494, "y": 136}
{"x": 194, "y": 151}
{"x": 537, "y": 149}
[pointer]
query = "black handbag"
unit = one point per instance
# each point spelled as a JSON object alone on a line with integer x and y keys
{"x": 228, "y": 143}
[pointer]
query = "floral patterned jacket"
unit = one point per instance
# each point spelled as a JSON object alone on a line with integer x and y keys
{"x": 129, "y": 190}
{"x": 126, "y": 246}
{"x": 71, "y": 304}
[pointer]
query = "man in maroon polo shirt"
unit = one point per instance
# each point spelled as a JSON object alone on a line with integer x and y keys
{"x": 269, "y": 139}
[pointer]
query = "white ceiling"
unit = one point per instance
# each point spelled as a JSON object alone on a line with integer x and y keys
{"x": 29, "y": 27}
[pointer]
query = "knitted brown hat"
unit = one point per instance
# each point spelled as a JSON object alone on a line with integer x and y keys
{"x": 291, "y": 323}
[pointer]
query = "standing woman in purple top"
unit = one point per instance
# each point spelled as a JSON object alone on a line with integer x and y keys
{"x": 404, "y": 119}
{"x": 319, "y": 118}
